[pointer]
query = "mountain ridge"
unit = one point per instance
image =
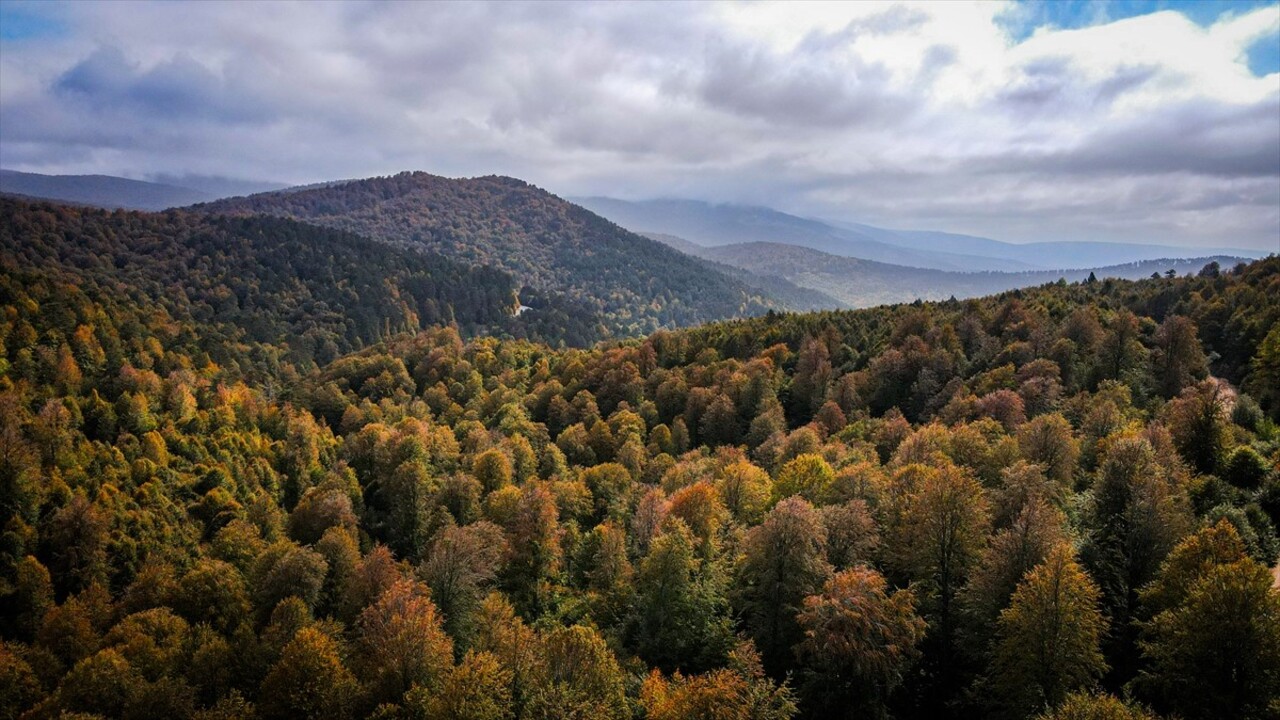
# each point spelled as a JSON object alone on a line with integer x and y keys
{"x": 709, "y": 224}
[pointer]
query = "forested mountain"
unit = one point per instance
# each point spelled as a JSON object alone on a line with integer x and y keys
{"x": 710, "y": 225}
{"x": 863, "y": 283}
{"x": 636, "y": 284}
{"x": 1057, "y": 502}
{"x": 252, "y": 293}
{"x": 103, "y": 191}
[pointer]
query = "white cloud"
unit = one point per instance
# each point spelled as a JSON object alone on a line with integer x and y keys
{"x": 1151, "y": 128}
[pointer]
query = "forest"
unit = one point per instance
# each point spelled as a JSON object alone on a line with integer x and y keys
{"x": 250, "y": 468}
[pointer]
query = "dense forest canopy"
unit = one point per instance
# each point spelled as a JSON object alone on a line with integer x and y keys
{"x": 246, "y": 473}
{"x": 637, "y": 284}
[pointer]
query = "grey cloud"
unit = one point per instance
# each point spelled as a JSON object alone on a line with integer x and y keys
{"x": 639, "y": 100}
{"x": 1195, "y": 137}
{"x": 800, "y": 90}
{"x": 179, "y": 89}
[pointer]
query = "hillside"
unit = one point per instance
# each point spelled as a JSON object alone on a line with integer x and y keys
{"x": 251, "y": 293}
{"x": 103, "y": 191}
{"x": 863, "y": 283}
{"x": 710, "y": 225}
{"x": 637, "y": 285}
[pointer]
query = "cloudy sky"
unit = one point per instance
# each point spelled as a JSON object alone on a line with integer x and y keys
{"x": 1137, "y": 121}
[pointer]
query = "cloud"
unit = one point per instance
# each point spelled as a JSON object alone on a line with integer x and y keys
{"x": 1145, "y": 128}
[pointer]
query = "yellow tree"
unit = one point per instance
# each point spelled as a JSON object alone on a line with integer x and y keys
{"x": 1048, "y": 638}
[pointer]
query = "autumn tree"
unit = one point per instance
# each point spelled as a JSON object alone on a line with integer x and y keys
{"x": 739, "y": 692}
{"x": 309, "y": 681}
{"x": 859, "y": 641}
{"x": 1084, "y": 706}
{"x": 1048, "y": 638}
{"x": 402, "y": 643}
{"x": 1213, "y": 647}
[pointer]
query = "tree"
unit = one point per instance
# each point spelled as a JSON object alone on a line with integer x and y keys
{"x": 852, "y": 535}
{"x": 402, "y": 643}
{"x": 534, "y": 557}
{"x": 493, "y": 469}
{"x": 1048, "y": 638}
{"x": 783, "y": 561}
{"x": 1083, "y": 706}
{"x": 746, "y": 491}
{"x": 809, "y": 382}
{"x": 1139, "y": 513}
{"x": 308, "y": 681}
{"x": 699, "y": 507}
{"x": 1213, "y": 647}
{"x": 286, "y": 569}
{"x": 1177, "y": 360}
{"x": 1011, "y": 554}
{"x": 938, "y": 534}
{"x": 575, "y": 677}
{"x": 859, "y": 641}
{"x": 461, "y": 567}
{"x": 680, "y": 617}
{"x": 1264, "y": 373}
{"x": 738, "y": 692}
{"x": 808, "y": 476}
{"x": 1197, "y": 418}
{"x": 479, "y": 688}
{"x": 1048, "y": 441}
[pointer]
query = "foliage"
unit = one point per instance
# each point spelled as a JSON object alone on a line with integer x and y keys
{"x": 239, "y": 480}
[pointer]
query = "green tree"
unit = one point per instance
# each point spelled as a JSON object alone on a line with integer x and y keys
{"x": 1213, "y": 649}
{"x": 680, "y": 618}
{"x": 1048, "y": 638}
{"x": 1177, "y": 360}
{"x": 783, "y": 561}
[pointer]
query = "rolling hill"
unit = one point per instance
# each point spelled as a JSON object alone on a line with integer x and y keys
{"x": 863, "y": 283}
{"x": 227, "y": 287}
{"x": 103, "y": 191}
{"x": 636, "y": 284}
{"x": 706, "y": 224}
{"x": 710, "y": 225}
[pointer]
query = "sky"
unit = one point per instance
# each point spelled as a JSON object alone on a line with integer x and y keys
{"x": 1121, "y": 121}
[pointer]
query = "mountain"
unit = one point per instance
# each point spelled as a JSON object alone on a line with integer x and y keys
{"x": 863, "y": 283}
{"x": 216, "y": 186}
{"x": 635, "y": 284}
{"x": 1046, "y": 255}
{"x": 104, "y": 191}
{"x": 707, "y": 224}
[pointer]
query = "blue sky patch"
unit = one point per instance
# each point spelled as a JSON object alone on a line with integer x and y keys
{"x": 19, "y": 22}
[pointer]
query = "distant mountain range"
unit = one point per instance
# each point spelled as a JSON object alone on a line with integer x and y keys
{"x": 707, "y": 224}
{"x": 864, "y": 283}
{"x": 687, "y": 263}
{"x": 110, "y": 192}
